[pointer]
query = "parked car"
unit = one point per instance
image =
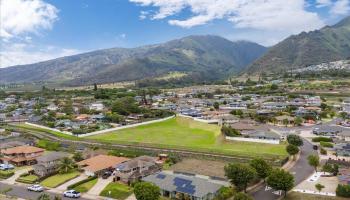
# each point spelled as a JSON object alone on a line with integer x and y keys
{"x": 35, "y": 188}
{"x": 6, "y": 166}
{"x": 107, "y": 174}
{"x": 71, "y": 194}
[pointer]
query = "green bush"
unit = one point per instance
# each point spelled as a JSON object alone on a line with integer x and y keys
{"x": 81, "y": 182}
{"x": 323, "y": 151}
{"x": 231, "y": 132}
{"x": 326, "y": 144}
{"x": 322, "y": 139}
{"x": 224, "y": 193}
{"x": 343, "y": 190}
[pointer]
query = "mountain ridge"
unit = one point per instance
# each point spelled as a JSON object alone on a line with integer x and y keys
{"x": 330, "y": 43}
{"x": 203, "y": 56}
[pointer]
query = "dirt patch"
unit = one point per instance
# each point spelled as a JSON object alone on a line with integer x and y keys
{"x": 203, "y": 167}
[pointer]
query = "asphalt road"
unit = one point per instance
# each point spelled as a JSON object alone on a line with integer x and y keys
{"x": 301, "y": 170}
{"x": 22, "y": 192}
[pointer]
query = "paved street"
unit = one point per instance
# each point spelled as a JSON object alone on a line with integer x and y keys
{"x": 301, "y": 170}
{"x": 22, "y": 192}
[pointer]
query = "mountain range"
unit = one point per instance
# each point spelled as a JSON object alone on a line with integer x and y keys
{"x": 331, "y": 43}
{"x": 200, "y": 58}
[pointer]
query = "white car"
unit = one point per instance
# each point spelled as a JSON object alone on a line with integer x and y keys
{"x": 35, "y": 188}
{"x": 71, "y": 194}
{"x": 6, "y": 166}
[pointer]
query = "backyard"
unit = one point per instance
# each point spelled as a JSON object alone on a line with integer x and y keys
{"x": 116, "y": 191}
{"x": 184, "y": 133}
{"x": 58, "y": 179}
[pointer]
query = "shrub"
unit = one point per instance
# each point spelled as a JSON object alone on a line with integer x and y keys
{"x": 343, "y": 190}
{"x": 326, "y": 144}
{"x": 322, "y": 139}
{"x": 224, "y": 193}
{"x": 231, "y": 132}
{"x": 323, "y": 151}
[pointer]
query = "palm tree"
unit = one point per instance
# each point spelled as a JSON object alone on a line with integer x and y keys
{"x": 66, "y": 165}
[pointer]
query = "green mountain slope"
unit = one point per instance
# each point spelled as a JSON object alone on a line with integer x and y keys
{"x": 203, "y": 57}
{"x": 328, "y": 44}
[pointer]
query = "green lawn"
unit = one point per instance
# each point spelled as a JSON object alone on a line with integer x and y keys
{"x": 28, "y": 179}
{"x": 58, "y": 179}
{"x": 188, "y": 134}
{"x": 86, "y": 186}
{"x": 4, "y": 174}
{"x": 117, "y": 191}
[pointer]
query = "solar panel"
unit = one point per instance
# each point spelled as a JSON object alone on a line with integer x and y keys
{"x": 184, "y": 186}
{"x": 161, "y": 176}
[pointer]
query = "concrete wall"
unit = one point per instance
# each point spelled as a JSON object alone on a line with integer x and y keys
{"x": 252, "y": 140}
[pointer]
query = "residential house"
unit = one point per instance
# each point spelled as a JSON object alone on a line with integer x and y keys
{"x": 274, "y": 105}
{"x": 52, "y": 107}
{"x": 21, "y": 155}
{"x": 97, "y": 165}
{"x": 180, "y": 186}
{"x": 325, "y": 130}
{"x": 313, "y": 101}
{"x": 227, "y": 120}
{"x": 135, "y": 169}
{"x": 48, "y": 164}
{"x": 284, "y": 120}
{"x": 342, "y": 149}
{"x": 96, "y": 106}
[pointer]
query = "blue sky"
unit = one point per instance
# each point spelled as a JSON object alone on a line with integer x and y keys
{"x": 37, "y": 30}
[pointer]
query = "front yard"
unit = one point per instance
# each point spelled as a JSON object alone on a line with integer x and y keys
{"x": 58, "y": 179}
{"x": 4, "y": 174}
{"x": 117, "y": 191}
{"x": 29, "y": 178}
{"x": 86, "y": 186}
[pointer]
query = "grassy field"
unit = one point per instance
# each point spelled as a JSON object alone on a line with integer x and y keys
{"x": 58, "y": 179}
{"x": 117, "y": 191}
{"x": 86, "y": 186}
{"x": 184, "y": 133}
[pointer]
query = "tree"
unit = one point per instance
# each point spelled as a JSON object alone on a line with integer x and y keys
{"x": 262, "y": 168}
{"x": 298, "y": 121}
{"x": 280, "y": 180}
{"x": 314, "y": 161}
{"x": 57, "y": 198}
{"x": 343, "y": 190}
{"x": 216, "y": 105}
{"x": 295, "y": 140}
{"x": 240, "y": 175}
{"x": 66, "y": 165}
{"x": 319, "y": 187}
{"x": 292, "y": 150}
{"x": 331, "y": 168}
{"x": 242, "y": 196}
{"x": 44, "y": 196}
{"x": 228, "y": 131}
{"x": 285, "y": 122}
{"x": 78, "y": 156}
{"x": 95, "y": 86}
{"x": 146, "y": 191}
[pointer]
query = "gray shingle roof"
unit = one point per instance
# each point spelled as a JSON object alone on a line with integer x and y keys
{"x": 192, "y": 185}
{"x": 52, "y": 157}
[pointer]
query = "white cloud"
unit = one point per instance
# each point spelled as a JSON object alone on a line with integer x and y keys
{"x": 323, "y": 3}
{"x": 20, "y": 20}
{"x": 287, "y": 15}
{"x": 340, "y": 7}
{"x": 25, "y": 53}
{"x": 25, "y": 16}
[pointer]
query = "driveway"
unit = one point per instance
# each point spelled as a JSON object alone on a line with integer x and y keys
{"x": 12, "y": 179}
{"x": 99, "y": 186}
{"x": 64, "y": 186}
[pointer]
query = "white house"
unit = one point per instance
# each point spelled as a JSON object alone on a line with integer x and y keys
{"x": 96, "y": 106}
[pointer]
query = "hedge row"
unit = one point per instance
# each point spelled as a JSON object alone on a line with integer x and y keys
{"x": 81, "y": 182}
{"x": 322, "y": 139}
